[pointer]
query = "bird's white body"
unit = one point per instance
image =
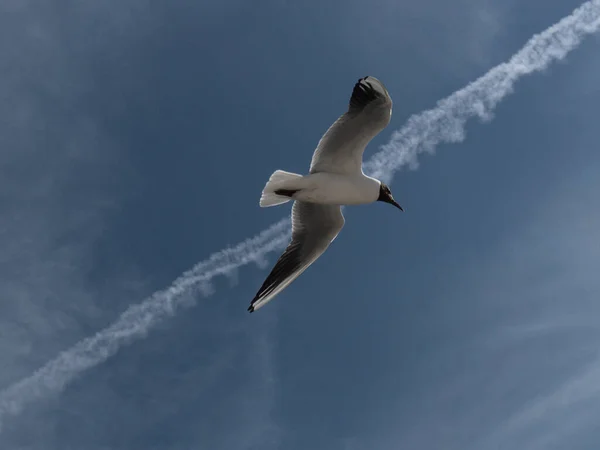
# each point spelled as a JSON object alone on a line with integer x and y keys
{"x": 333, "y": 188}
{"x": 335, "y": 179}
{"x": 337, "y": 189}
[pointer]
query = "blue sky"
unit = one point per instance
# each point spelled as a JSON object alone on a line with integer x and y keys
{"x": 136, "y": 139}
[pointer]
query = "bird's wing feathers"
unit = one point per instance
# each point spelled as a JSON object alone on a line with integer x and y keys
{"x": 341, "y": 148}
{"x": 314, "y": 227}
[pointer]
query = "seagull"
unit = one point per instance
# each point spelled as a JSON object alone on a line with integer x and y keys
{"x": 335, "y": 179}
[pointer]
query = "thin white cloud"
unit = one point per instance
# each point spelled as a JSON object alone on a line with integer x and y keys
{"x": 522, "y": 369}
{"x": 48, "y": 229}
{"x": 558, "y": 303}
{"x": 446, "y": 122}
{"x": 422, "y": 133}
{"x": 556, "y": 408}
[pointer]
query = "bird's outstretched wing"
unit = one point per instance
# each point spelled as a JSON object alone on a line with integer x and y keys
{"x": 314, "y": 227}
{"x": 341, "y": 148}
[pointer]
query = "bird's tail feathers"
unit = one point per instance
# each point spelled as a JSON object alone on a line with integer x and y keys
{"x": 279, "y": 189}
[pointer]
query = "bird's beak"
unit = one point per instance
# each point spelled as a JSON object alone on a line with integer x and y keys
{"x": 393, "y": 202}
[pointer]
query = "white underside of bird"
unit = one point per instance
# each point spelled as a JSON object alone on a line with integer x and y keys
{"x": 335, "y": 178}
{"x": 321, "y": 187}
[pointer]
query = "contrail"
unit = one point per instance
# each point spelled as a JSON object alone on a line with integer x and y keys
{"x": 422, "y": 132}
{"x": 446, "y": 122}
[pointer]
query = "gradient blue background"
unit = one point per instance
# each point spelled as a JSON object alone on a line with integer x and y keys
{"x": 135, "y": 140}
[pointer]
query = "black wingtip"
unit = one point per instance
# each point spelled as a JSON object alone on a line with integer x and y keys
{"x": 362, "y": 94}
{"x": 251, "y": 307}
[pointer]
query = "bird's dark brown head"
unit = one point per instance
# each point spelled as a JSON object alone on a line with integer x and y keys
{"x": 385, "y": 195}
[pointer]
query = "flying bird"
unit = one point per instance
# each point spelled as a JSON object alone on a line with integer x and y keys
{"x": 335, "y": 179}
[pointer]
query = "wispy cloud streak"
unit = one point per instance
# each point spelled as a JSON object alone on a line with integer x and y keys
{"x": 444, "y": 123}
{"x": 559, "y": 407}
